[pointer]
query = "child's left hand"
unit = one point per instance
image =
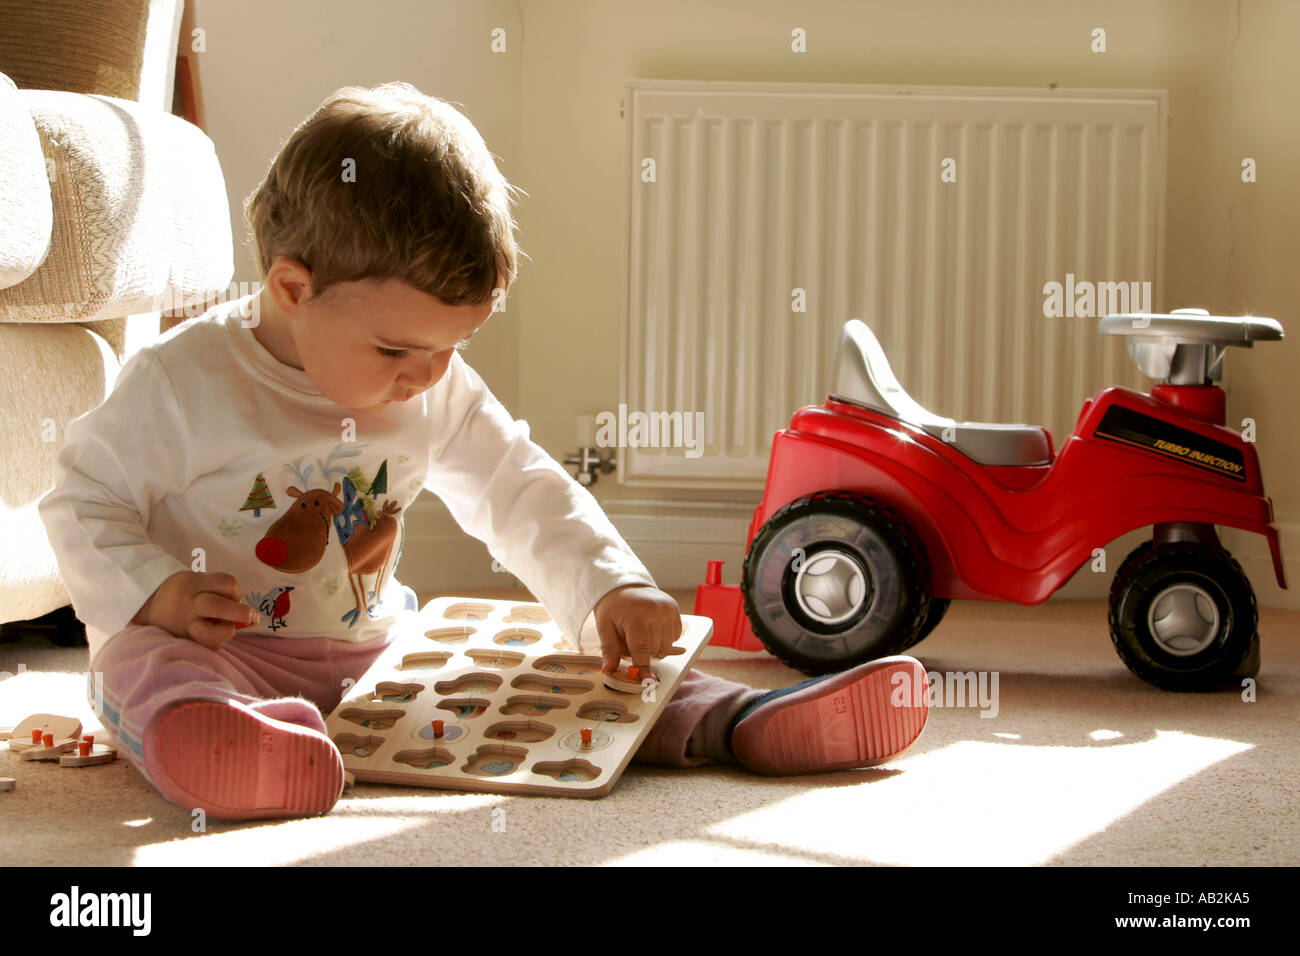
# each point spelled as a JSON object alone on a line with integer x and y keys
{"x": 639, "y": 622}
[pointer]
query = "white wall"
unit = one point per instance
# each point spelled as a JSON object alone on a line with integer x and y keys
{"x": 549, "y": 108}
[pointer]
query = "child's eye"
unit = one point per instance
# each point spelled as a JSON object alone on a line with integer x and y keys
{"x": 391, "y": 353}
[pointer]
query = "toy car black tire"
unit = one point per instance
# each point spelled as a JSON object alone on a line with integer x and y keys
{"x": 1183, "y": 616}
{"x": 881, "y": 609}
{"x": 938, "y": 608}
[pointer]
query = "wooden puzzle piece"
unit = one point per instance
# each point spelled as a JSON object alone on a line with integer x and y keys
{"x": 586, "y": 740}
{"x": 440, "y": 731}
{"x": 62, "y": 728}
{"x": 88, "y": 755}
{"x": 52, "y": 750}
{"x": 630, "y": 679}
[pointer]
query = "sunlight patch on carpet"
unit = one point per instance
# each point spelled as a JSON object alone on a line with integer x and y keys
{"x": 274, "y": 844}
{"x": 981, "y": 804}
{"x": 284, "y": 842}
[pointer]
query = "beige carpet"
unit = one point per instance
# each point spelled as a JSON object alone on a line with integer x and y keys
{"x": 1083, "y": 764}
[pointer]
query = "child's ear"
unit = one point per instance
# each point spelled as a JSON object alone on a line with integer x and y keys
{"x": 290, "y": 283}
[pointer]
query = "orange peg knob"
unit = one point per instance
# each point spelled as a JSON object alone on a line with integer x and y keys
{"x": 84, "y": 747}
{"x": 49, "y": 740}
{"x": 633, "y": 672}
{"x": 36, "y": 737}
{"x": 437, "y": 728}
{"x": 586, "y": 736}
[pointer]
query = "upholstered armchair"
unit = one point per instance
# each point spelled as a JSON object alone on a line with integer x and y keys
{"x": 112, "y": 211}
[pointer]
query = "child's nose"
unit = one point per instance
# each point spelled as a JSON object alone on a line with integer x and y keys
{"x": 431, "y": 374}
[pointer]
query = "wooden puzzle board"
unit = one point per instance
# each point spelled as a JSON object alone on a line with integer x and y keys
{"x": 513, "y": 695}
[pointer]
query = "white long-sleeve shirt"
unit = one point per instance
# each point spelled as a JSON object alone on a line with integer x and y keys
{"x": 209, "y": 442}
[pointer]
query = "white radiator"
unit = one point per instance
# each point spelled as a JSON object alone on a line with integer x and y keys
{"x": 742, "y": 193}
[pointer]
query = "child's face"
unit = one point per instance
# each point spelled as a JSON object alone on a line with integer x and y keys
{"x": 368, "y": 344}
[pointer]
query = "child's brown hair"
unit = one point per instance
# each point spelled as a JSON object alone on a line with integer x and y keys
{"x": 421, "y": 201}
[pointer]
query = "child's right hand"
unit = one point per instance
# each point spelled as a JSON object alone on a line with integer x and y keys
{"x": 206, "y": 608}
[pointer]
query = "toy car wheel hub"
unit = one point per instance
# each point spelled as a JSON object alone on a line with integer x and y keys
{"x": 1183, "y": 619}
{"x": 830, "y": 587}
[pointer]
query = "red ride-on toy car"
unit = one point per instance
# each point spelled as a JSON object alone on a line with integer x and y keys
{"x": 877, "y": 512}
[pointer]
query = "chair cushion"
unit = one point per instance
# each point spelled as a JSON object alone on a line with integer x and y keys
{"x": 141, "y": 220}
{"x": 26, "y": 212}
{"x": 49, "y": 375}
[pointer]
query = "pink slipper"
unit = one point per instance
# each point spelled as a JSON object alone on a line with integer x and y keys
{"x": 237, "y": 764}
{"x": 860, "y": 718}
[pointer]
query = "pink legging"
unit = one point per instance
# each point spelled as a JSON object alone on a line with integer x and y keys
{"x": 146, "y": 669}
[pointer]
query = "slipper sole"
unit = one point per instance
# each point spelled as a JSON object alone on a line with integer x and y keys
{"x": 846, "y": 721}
{"x": 236, "y": 764}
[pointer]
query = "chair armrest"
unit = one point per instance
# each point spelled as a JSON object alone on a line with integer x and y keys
{"x": 141, "y": 217}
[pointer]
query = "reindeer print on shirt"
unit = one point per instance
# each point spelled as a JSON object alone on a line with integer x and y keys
{"x": 366, "y": 530}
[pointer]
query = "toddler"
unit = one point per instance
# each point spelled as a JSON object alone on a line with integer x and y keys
{"x": 229, "y": 521}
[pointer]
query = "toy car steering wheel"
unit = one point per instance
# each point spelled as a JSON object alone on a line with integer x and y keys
{"x": 1187, "y": 346}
